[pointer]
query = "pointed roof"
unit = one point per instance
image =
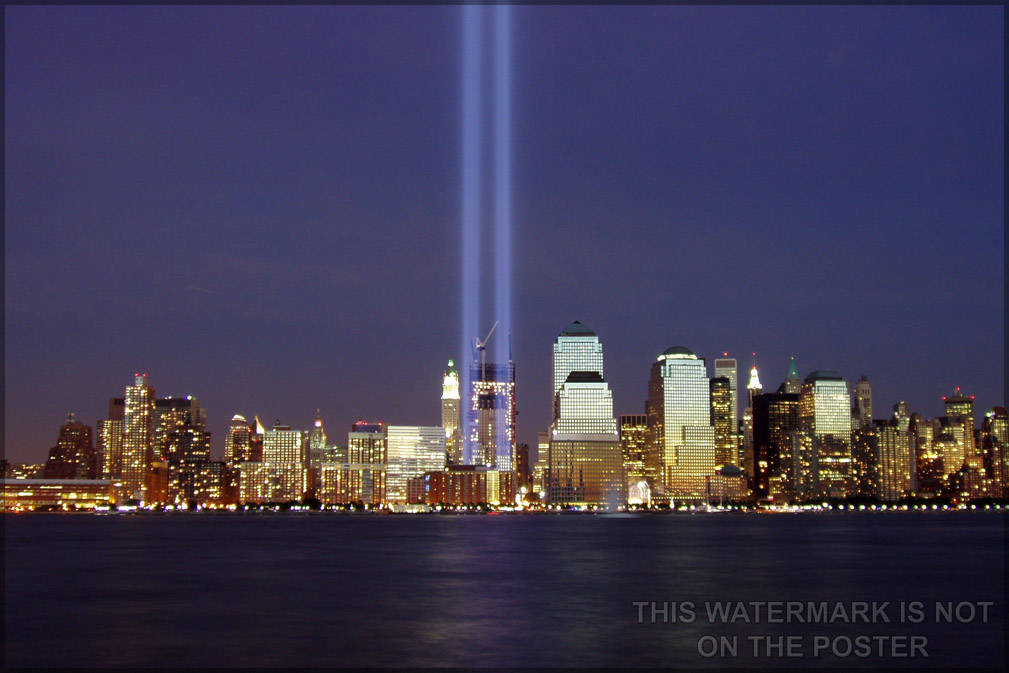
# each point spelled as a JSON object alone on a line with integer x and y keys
{"x": 577, "y": 329}
{"x": 793, "y": 369}
{"x": 450, "y": 369}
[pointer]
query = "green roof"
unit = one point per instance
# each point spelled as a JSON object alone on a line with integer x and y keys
{"x": 677, "y": 350}
{"x": 793, "y": 370}
{"x": 824, "y": 375}
{"x": 577, "y": 329}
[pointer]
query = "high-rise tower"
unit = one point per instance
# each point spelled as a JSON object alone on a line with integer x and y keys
{"x": 679, "y": 424}
{"x": 137, "y": 436}
{"x": 727, "y": 367}
{"x": 576, "y": 349}
{"x": 450, "y": 403}
{"x": 825, "y": 420}
{"x": 861, "y": 410}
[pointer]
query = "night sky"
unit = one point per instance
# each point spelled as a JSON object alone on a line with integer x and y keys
{"x": 260, "y": 206}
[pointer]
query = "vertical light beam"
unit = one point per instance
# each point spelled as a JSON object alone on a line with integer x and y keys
{"x": 502, "y": 206}
{"x": 471, "y": 114}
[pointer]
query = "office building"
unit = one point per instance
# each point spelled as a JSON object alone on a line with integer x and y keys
{"x": 995, "y": 450}
{"x": 450, "y": 414}
{"x": 634, "y": 447}
{"x": 720, "y": 393}
{"x": 138, "y": 412}
{"x": 74, "y": 455}
{"x": 679, "y": 425}
{"x": 492, "y": 415}
{"x": 825, "y": 414}
{"x": 238, "y": 441}
{"x": 411, "y": 451}
{"x": 775, "y": 419}
{"x": 861, "y": 410}
{"x": 727, "y": 367}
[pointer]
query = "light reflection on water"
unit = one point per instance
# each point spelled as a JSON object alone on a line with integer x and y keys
{"x": 549, "y": 590}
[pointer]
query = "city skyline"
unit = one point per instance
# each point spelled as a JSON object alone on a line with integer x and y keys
{"x": 649, "y": 202}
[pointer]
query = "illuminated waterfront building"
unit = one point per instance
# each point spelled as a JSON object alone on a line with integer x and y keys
{"x": 541, "y": 470}
{"x": 366, "y": 443}
{"x": 634, "y": 447}
{"x": 882, "y": 462}
{"x": 960, "y": 407}
{"x": 825, "y": 414}
{"x": 753, "y": 389}
{"x": 467, "y": 485}
{"x": 861, "y": 410}
{"x": 138, "y": 414}
{"x": 411, "y": 451}
{"x": 198, "y": 483}
{"x": 682, "y": 439}
{"x": 727, "y": 367}
{"x": 450, "y": 415}
{"x": 995, "y": 450}
{"x": 109, "y": 440}
{"x": 586, "y": 464}
{"x": 928, "y": 465}
{"x": 492, "y": 415}
{"x": 775, "y": 419}
{"x": 720, "y": 394}
{"x": 726, "y": 485}
{"x": 577, "y": 348}
{"x": 351, "y": 483}
{"x": 179, "y": 427}
{"x": 951, "y": 441}
{"x": 238, "y": 441}
{"x": 54, "y": 494}
{"x": 282, "y": 475}
{"x": 74, "y": 456}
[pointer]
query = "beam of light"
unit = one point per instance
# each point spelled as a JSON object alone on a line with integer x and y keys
{"x": 470, "y": 286}
{"x": 502, "y": 204}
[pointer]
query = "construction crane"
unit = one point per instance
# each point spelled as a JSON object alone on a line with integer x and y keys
{"x": 482, "y": 347}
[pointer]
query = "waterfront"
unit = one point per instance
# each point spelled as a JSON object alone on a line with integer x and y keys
{"x": 303, "y": 589}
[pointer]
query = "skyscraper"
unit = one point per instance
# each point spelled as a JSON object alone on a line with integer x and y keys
{"x": 179, "y": 426}
{"x": 634, "y": 447}
{"x": 492, "y": 415}
{"x": 577, "y": 348}
{"x": 586, "y": 465}
{"x": 995, "y": 450}
{"x": 726, "y": 452}
{"x": 960, "y": 410}
{"x": 237, "y": 443}
{"x": 825, "y": 415}
{"x": 679, "y": 424}
{"x": 727, "y": 367}
{"x": 775, "y": 420}
{"x": 109, "y": 441}
{"x": 137, "y": 436}
{"x": 73, "y": 457}
{"x": 927, "y": 459}
{"x": 861, "y": 409}
{"x": 411, "y": 451}
{"x": 450, "y": 420}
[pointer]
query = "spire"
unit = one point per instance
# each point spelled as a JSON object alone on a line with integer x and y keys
{"x": 754, "y": 383}
{"x": 793, "y": 370}
{"x": 318, "y": 418}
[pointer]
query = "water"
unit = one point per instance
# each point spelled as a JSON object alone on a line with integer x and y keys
{"x": 315, "y": 589}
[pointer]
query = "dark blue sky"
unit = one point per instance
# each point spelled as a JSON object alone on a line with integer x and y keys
{"x": 259, "y": 206}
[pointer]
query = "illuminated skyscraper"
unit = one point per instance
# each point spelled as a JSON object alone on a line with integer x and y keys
{"x": 577, "y": 348}
{"x": 238, "y": 442}
{"x": 634, "y": 447}
{"x": 721, "y": 420}
{"x": 727, "y": 367}
{"x": 960, "y": 409}
{"x": 753, "y": 388}
{"x": 492, "y": 415}
{"x": 901, "y": 415}
{"x": 137, "y": 436}
{"x": 995, "y": 450}
{"x": 366, "y": 443}
{"x": 109, "y": 441}
{"x": 679, "y": 424}
{"x": 316, "y": 441}
{"x": 411, "y": 451}
{"x": 775, "y": 419}
{"x": 861, "y": 409}
{"x": 882, "y": 463}
{"x": 73, "y": 457}
{"x": 450, "y": 419}
{"x": 927, "y": 459}
{"x": 586, "y": 464}
{"x": 282, "y": 475}
{"x": 825, "y": 415}
{"x": 179, "y": 426}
